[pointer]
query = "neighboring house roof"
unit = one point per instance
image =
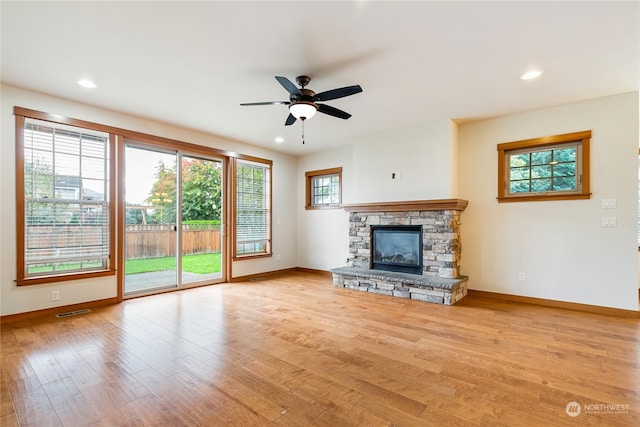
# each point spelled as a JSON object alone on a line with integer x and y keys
{"x": 75, "y": 182}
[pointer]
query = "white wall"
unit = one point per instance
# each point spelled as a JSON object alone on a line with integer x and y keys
{"x": 323, "y": 234}
{"x": 423, "y": 158}
{"x": 561, "y": 247}
{"x": 35, "y": 297}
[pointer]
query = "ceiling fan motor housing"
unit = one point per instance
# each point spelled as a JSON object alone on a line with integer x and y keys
{"x": 307, "y": 95}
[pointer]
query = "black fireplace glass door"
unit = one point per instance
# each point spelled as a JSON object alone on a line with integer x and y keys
{"x": 397, "y": 248}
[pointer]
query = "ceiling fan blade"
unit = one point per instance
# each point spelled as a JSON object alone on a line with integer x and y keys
{"x": 337, "y": 93}
{"x": 267, "y": 103}
{"x": 290, "y": 120}
{"x": 332, "y": 111}
{"x": 289, "y": 86}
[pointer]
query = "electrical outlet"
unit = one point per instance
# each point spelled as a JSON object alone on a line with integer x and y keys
{"x": 521, "y": 276}
{"x": 278, "y": 257}
{"x": 55, "y": 295}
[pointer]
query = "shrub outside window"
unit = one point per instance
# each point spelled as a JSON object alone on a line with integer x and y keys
{"x": 549, "y": 168}
{"x": 324, "y": 189}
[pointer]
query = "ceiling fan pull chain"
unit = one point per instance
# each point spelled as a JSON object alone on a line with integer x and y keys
{"x": 303, "y": 120}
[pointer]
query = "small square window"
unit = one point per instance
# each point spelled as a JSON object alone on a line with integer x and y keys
{"x": 324, "y": 189}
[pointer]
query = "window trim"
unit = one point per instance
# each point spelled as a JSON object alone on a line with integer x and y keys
{"x": 310, "y": 176}
{"x": 233, "y": 169}
{"x": 21, "y": 115}
{"x": 583, "y": 138}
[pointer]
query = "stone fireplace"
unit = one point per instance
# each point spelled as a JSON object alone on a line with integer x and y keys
{"x": 437, "y": 278}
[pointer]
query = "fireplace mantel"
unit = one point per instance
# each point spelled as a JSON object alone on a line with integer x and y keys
{"x": 415, "y": 205}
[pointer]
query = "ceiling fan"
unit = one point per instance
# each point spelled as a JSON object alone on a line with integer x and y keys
{"x": 303, "y": 102}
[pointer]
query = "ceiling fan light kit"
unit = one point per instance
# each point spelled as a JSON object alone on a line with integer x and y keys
{"x": 303, "y": 110}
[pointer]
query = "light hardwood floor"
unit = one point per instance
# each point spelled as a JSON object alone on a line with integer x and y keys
{"x": 295, "y": 351}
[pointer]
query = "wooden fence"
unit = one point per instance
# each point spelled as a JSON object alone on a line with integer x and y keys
{"x": 141, "y": 241}
{"x": 47, "y": 241}
{"x": 154, "y": 241}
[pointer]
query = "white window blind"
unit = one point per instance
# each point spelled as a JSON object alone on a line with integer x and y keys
{"x": 253, "y": 208}
{"x": 66, "y": 199}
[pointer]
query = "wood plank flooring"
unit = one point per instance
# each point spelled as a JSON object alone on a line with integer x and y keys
{"x": 295, "y": 351}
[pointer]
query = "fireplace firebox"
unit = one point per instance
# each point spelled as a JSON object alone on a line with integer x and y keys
{"x": 397, "y": 248}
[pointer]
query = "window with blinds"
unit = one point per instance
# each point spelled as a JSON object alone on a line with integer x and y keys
{"x": 252, "y": 208}
{"x": 65, "y": 199}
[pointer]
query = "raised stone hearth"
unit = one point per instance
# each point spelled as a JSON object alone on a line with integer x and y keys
{"x": 440, "y": 281}
{"x": 423, "y": 288}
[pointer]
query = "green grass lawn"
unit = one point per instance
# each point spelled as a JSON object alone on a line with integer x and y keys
{"x": 62, "y": 267}
{"x": 200, "y": 264}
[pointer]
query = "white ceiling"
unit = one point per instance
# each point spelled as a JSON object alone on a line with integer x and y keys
{"x": 193, "y": 63}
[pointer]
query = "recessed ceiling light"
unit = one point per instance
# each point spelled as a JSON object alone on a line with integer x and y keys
{"x": 279, "y": 140}
{"x": 531, "y": 75}
{"x": 87, "y": 83}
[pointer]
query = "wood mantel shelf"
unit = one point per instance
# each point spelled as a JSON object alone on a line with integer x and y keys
{"x": 414, "y": 205}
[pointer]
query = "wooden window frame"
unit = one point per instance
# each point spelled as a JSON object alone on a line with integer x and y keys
{"x": 22, "y": 279}
{"x": 233, "y": 169}
{"x": 583, "y": 162}
{"x": 310, "y": 176}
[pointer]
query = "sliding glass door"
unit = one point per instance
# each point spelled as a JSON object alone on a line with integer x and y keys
{"x": 201, "y": 214}
{"x": 150, "y": 214}
{"x": 173, "y": 217}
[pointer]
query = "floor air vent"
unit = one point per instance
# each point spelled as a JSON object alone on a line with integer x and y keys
{"x": 73, "y": 313}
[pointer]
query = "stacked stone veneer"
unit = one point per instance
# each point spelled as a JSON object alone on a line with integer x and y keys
{"x": 440, "y": 281}
{"x": 440, "y": 238}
